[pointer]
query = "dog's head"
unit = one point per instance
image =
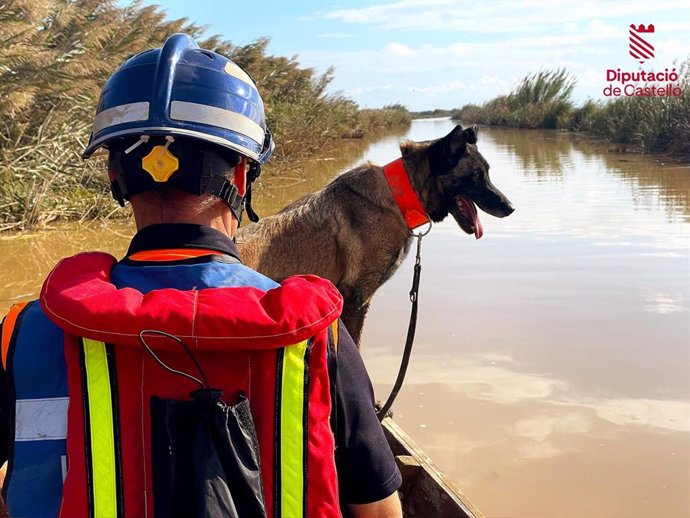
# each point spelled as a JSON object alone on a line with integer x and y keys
{"x": 462, "y": 180}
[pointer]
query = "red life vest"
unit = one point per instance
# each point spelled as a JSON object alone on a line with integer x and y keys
{"x": 270, "y": 345}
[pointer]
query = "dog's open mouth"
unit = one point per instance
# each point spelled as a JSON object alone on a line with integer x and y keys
{"x": 465, "y": 213}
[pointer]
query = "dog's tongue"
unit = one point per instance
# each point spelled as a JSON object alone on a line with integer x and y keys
{"x": 467, "y": 206}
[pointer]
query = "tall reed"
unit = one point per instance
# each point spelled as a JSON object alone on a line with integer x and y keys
{"x": 650, "y": 124}
{"x": 543, "y": 100}
{"x": 390, "y": 116}
{"x": 540, "y": 100}
{"x": 55, "y": 55}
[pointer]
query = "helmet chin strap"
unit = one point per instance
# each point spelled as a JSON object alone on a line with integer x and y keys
{"x": 237, "y": 193}
{"x": 226, "y": 190}
{"x": 252, "y": 175}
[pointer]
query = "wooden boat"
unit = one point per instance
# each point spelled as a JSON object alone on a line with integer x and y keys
{"x": 425, "y": 491}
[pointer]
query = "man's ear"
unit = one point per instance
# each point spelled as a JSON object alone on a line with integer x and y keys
{"x": 240, "y": 176}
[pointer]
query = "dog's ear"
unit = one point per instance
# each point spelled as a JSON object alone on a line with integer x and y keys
{"x": 456, "y": 141}
{"x": 445, "y": 153}
{"x": 472, "y": 134}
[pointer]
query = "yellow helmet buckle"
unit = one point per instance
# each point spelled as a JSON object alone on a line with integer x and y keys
{"x": 160, "y": 163}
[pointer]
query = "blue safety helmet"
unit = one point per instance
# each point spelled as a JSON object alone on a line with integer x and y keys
{"x": 183, "y": 90}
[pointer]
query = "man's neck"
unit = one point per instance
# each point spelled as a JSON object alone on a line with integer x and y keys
{"x": 208, "y": 212}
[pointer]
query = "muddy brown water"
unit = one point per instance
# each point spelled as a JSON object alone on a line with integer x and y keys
{"x": 551, "y": 373}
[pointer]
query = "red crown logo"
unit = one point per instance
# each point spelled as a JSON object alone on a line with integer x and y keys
{"x": 640, "y": 47}
{"x": 641, "y": 28}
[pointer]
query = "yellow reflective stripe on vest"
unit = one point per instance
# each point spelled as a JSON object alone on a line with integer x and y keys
{"x": 292, "y": 432}
{"x": 100, "y": 418}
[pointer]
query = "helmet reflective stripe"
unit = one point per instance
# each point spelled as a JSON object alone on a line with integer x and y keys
{"x": 162, "y": 130}
{"x": 204, "y": 114}
{"x": 130, "y": 112}
{"x": 237, "y": 72}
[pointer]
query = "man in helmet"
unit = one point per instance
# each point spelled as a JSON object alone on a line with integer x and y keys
{"x": 177, "y": 381}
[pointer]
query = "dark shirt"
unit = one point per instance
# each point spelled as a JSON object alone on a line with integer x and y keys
{"x": 365, "y": 464}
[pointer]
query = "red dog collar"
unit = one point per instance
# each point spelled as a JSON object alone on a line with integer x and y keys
{"x": 404, "y": 194}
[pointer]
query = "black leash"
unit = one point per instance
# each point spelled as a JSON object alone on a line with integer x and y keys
{"x": 411, "y": 328}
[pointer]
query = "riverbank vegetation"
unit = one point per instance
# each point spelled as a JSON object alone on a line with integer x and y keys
{"x": 55, "y": 57}
{"x": 543, "y": 100}
{"x": 390, "y": 116}
{"x": 432, "y": 114}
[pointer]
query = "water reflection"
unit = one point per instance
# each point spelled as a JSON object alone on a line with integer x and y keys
{"x": 482, "y": 377}
{"x": 25, "y": 259}
{"x": 539, "y": 460}
{"x": 655, "y": 183}
{"x": 550, "y": 156}
{"x": 552, "y": 357}
{"x": 581, "y": 298}
{"x": 532, "y": 156}
{"x": 543, "y": 433}
{"x": 665, "y": 303}
{"x": 534, "y": 448}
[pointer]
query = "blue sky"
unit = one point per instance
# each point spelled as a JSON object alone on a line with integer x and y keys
{"x": 430, "y": 54}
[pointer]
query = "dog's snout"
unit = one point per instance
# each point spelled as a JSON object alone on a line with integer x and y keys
{"x": 503, "y": 210}
{"x": 509, "y": 209}
{"x": 495, "y": 204}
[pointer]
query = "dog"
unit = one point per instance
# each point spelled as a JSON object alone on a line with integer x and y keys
{"x": 352, "y": 231}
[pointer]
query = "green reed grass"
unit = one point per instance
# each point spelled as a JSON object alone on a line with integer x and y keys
{"x": 55, "y": 55}
{"x": 650, "y": 124}
{"x": 543, "y": 100}
{"x": 390, "y": 116}
{"x": 540, "y": 100}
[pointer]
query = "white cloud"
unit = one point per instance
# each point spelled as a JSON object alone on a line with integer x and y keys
{"x": 672, "y": 48}
{"x": 401, "y": 49}
{"x": 442, "y": 88}
{"x": 492, "y": 17}
{"x": 675, "y": 26}
{"x": 444, "y": 53}
{"x": 368, "y": 89}
{"x": 533, "y": 51}
{"x": 430, "y": 91}
{"x": 335, "y": 35}
{"x": 495, "y": 82}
